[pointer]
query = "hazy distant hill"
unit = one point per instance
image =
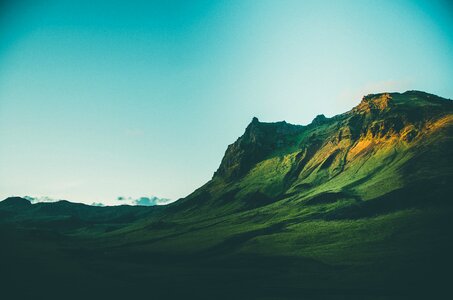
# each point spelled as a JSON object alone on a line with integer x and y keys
{"x": 354, "y": 206}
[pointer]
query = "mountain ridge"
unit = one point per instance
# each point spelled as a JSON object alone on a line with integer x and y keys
{"x": 320, "y": 151}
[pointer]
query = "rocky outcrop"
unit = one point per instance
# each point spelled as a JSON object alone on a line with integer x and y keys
{"x": 374, "y": 103}
{"x": 258, "y": 142}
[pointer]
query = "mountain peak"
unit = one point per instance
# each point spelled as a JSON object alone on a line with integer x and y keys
{"x": 375, "y": 103}
{"x": 319, "y": 119}
{"x": 259, "y": 140}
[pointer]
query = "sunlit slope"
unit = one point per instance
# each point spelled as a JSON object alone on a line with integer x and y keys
{"x": 369, "y": 151}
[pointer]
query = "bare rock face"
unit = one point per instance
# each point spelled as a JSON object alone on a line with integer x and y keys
{"x": 375, "y": 103}
{"x": 258, "y": 141}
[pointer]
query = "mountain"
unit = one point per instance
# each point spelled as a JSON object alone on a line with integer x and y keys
{"x": 356, "y": 206}
{"x": 360, "y": 155}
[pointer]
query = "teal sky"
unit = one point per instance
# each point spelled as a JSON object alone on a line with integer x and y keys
{"x": 100, "y": 99}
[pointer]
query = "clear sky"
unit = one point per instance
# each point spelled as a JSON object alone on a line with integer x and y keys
{"x": 100, "y": 99}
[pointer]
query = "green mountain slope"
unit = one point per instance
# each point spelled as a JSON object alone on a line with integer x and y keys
{"x": 362, "y": 154}
{"x": 350, "y": 207}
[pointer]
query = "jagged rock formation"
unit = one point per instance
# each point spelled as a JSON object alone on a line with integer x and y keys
{"x": 258, "y": 141}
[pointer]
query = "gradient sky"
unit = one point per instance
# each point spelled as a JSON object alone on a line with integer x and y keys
{"x": 100, "y": 99}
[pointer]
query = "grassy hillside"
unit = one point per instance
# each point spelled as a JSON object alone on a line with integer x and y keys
{"x": 356, "y": 206}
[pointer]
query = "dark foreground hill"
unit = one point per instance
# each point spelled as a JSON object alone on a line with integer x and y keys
{"x": 357, "y": 206}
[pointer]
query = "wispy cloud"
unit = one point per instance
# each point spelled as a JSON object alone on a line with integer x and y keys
{"x": 144, "y": 201}
{"x": 40, "y": 199}
{"x": 140, "y": 201}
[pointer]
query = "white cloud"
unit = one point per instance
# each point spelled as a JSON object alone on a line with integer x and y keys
{"x": 40, "y": 199}
{"x": 145, "y": 201}
{"x": 142, "y": 201}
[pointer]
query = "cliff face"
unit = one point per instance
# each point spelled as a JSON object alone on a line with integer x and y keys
{"x": 363, "y": 152}
{"x": 258, "y": 141}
